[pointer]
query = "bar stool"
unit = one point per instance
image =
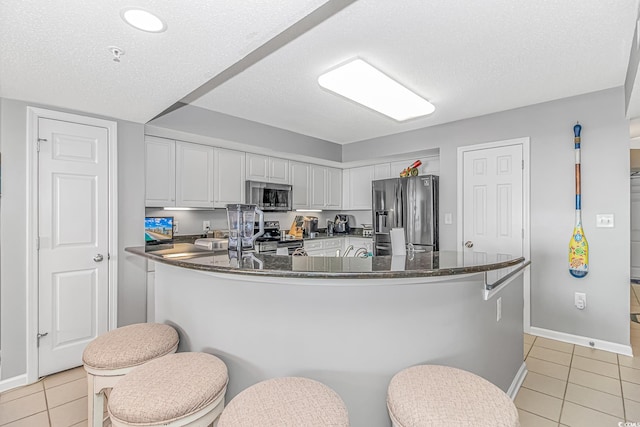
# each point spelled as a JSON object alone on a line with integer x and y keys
{"x": 432, "y": 395}
{"x": 113, "y": 354}
{"x": 181, "y": 389}
{"x": 286, "y": 402}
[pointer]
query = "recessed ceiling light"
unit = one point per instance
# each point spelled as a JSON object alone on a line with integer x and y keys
{"x": 143, "y": 20}
{"x": 360, "y": 82}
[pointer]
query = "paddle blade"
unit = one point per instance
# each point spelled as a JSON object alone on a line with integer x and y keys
{"x": 578, "y": 253}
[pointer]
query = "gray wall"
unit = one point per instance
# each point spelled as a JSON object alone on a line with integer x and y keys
{"x": 605, "y": 189}
{"x": 131, "y": 277}
{"x": 203, "y": 122}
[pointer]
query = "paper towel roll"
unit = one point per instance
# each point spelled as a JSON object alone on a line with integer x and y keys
{"x": 398, "y": 246}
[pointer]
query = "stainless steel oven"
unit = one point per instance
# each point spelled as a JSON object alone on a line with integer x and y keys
{"x": 269, "y": 197}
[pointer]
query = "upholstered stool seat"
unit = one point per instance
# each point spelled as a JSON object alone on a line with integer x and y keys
{"x": 181, "y": 389}
{"x": 432, "y": 395}
{"x": 285, "y": 402}
{"x": 113, "y": 354}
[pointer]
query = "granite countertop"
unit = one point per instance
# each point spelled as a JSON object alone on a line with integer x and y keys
{"x": 425, "y": 264}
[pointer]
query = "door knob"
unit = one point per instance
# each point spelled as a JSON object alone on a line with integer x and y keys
{"x": 469, "y": 244}
{"x": 98, "y": 258}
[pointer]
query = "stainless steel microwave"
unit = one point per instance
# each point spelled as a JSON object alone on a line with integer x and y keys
{"x": 268, "y": 196}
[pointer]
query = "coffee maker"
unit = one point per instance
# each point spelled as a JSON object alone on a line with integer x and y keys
{"x": 341, "y": 224}
{"x": 310, "y": 226}
{"x": 242, "y": 221}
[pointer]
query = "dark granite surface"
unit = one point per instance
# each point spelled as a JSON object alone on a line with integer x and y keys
{"x": 430, "y": 264}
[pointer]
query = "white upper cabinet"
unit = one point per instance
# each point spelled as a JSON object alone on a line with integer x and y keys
{"x": 334, "y": 188}
{"x": 194, "y": 175}
{"x": 229, "y": 177}
{"x": 267, "y": 169}
{"x": 382, "y": 171}
{"x": 326, "y": 187}
{"x": 357, "y": 188}
{"x": 318, "y": 184}
{"x": 257, "y": 167}
{"x": 278, "y": 170}
{"x": 300, "y": 180}
{"x": 160, "y": 172}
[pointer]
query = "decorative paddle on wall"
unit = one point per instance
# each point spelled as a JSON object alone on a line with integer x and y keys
{"x": 578, "y": 246}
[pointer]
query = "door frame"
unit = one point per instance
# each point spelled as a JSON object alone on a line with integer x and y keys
{"x": 526, "y": 208}
{"x": 33, "y": 115}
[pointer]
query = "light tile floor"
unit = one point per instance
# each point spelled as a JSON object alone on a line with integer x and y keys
{"x": 570, "y": 385}
{"x": 567, "y": 385}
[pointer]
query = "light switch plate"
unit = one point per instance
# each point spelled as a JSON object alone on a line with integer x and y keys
{"x": 604, "y": 220}
{"x": 448, "y": 218}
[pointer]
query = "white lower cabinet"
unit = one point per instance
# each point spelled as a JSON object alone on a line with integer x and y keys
{"x": 360, "y": 242}
{"x": 324, "y": 247}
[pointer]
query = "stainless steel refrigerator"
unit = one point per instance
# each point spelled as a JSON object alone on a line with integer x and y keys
{"x": 410, "y": 203}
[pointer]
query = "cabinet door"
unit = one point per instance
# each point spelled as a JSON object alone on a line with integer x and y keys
{"x": 382, "y": 171}
{"x": 360, "y": 187}
{"x": 278, "y": 170}
{"x": 257, "y": 167}
{"x": 229, "y": 180}
{"x": 346, "y": 189}
{"x": 194, "y": 175}
{"x": 318, "y": 184}
{"x": 160, "y": 172}
{"x": 299, "y": 173}
{"x": 334, "y": 188}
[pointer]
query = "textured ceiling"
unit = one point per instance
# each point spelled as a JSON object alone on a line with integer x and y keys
{"x": 55, "y": 52}
{"x": 469, "y": 58}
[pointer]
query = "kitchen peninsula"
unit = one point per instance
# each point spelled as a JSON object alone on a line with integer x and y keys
{"x": 351, "y": 323}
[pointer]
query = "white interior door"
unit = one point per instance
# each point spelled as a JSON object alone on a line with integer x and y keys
{"x": 492, "y": 198}
{"x": 635, "y": 228}
{"x": 73, "y": 231}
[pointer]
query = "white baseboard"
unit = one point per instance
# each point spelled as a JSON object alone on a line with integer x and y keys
{"x": 583, "y": 341}
{"x": 517, "y": 381}
{"x": 13, "y": 382}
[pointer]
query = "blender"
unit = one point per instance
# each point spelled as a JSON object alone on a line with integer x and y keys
{"x": 241, "y": 220}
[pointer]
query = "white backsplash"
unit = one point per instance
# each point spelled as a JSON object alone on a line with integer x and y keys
{"x": 190, "y": 222}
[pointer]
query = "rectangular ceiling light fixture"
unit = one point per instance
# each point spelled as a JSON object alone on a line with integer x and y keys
{"x": 368, "y": 86}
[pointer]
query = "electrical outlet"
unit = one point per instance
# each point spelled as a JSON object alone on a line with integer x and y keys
{"x": 498, "y": 309}
{"x": 580, "y": 300}
{"x": 175, "y": 227}
{"x": 604, "y": 221}
{"x": 206, "y": 225}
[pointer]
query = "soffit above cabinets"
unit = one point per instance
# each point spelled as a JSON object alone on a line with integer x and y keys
{"x": 467, "y": 58}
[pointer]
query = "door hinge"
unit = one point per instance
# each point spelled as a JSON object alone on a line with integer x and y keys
{"x": 523, "y": 233}
{"x": 108, "y": 256}
{"x": 41, "y": 336}
{"x": 523, "y": 165}
{"x": 38, "y": 143}
{"x": 37, "y": 243}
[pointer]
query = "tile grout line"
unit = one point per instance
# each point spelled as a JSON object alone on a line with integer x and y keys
{"x": 537, "y": 415}
{"x": 46, "y": 403}
{"x": 624, "y": 406}
{"x": 566, "y": 386}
